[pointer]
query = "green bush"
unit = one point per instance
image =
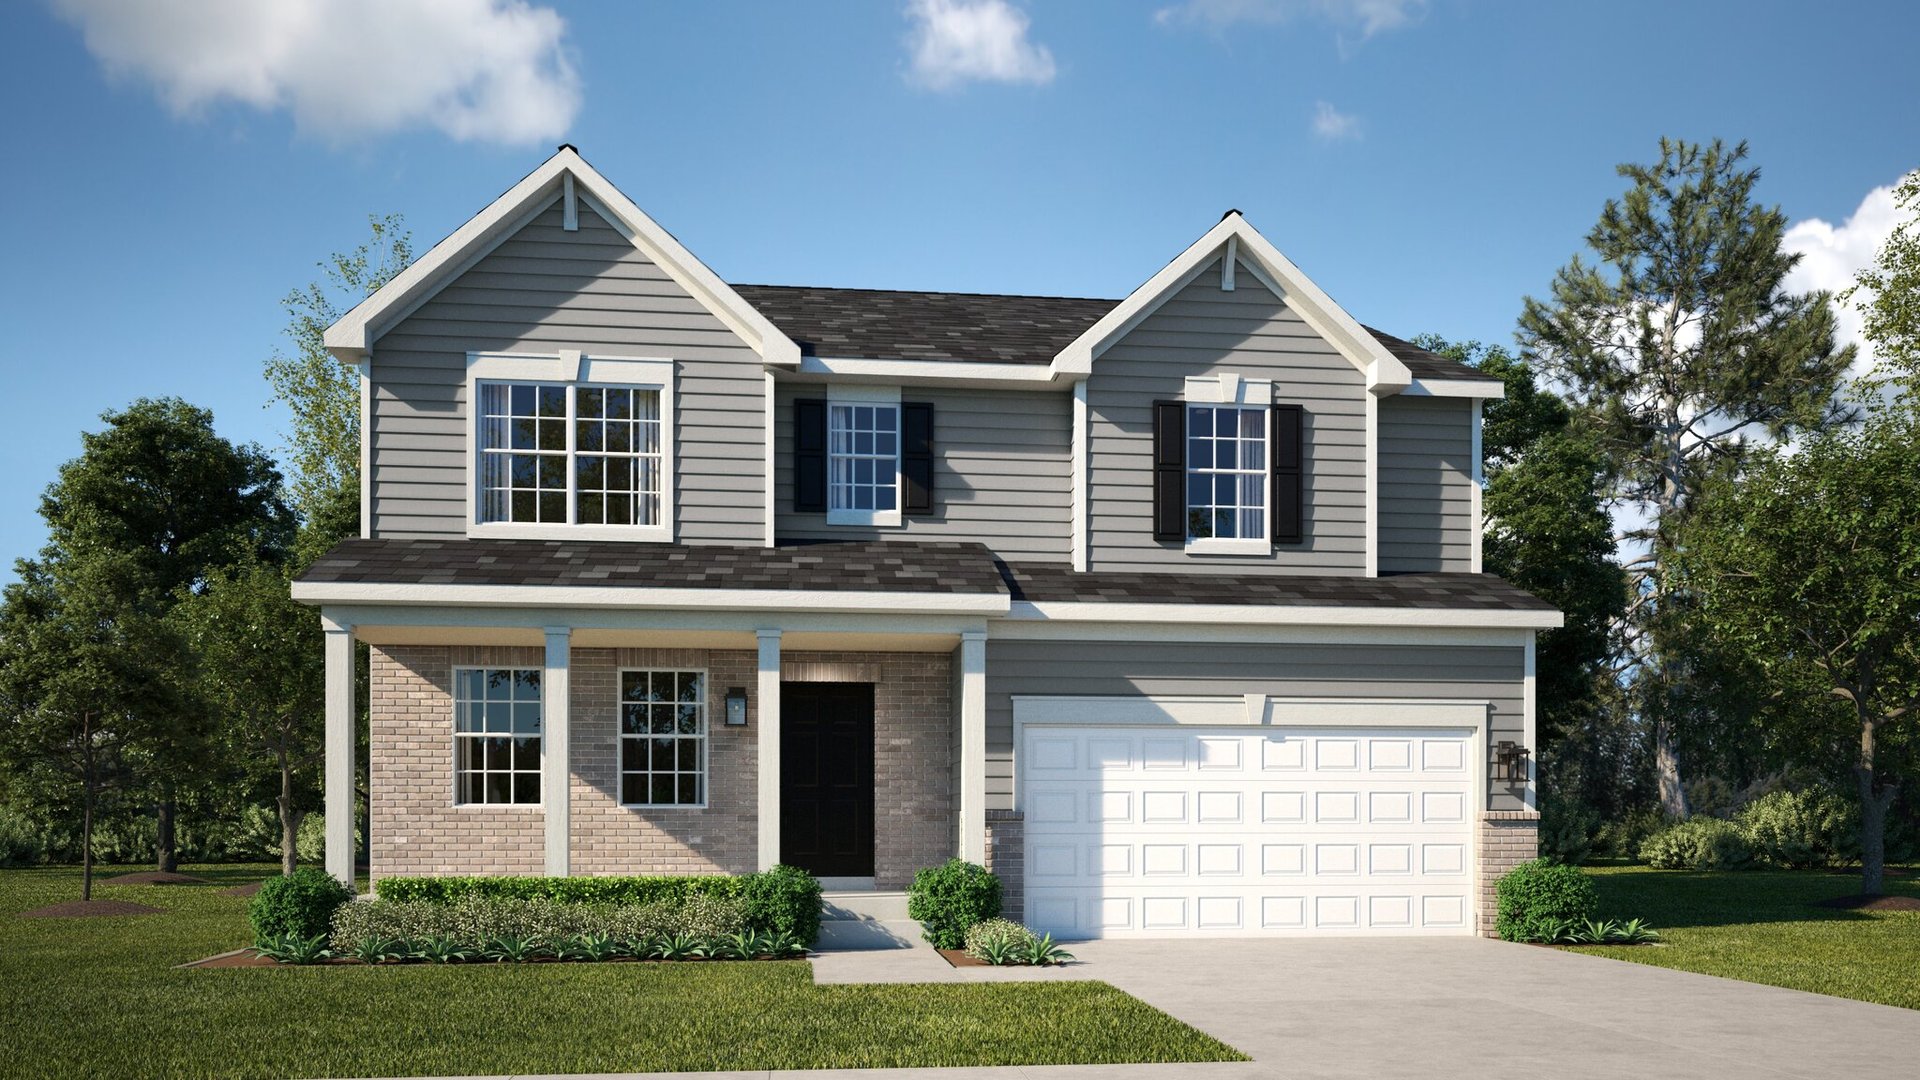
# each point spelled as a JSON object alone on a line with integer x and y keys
{"x": 1537, "y": 899}
{"x": 1001, "y": 936}
{"x": 300, "y": 904}
{"x": 1567, "y": 830}
{"x": 1699, "y": 843}
{"x": 1622, "y": 839}
{"x": 20, "y": 841}
{"x": 947, "y": 900}
{"x": 783, "y": 900}
{"x": 473, "y": 921}
{"x": 1802, "y": 830}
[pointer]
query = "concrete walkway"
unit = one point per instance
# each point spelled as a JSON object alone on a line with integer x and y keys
{"x": 1446, "y": 1007}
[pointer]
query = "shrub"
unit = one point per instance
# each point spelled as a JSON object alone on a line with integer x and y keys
{"x": 1622, "y": 839}
{"x": 1802, "y": 830}
{"x": 997, "y": 934}
{"x": 1567, "y": 830}
{"x": 474, "y": 921}
{"x": 1699, "y": 843}
{"x": 783, "y": 900}
{"x": 947, "y": 900}
{"x": 566, "y": 890}
{"x": 301, "y": 903}
{"x": 20, "y": 841}
{"x": 1537, "y": 899}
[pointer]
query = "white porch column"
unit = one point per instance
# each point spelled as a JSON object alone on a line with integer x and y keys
{"x": 973, "y": 746}
{"x": 340, "y": 745}
{"x": 768, "y": 695}
{"x": 555, "y": 757}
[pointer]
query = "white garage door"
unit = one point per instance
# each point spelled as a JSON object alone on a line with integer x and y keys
{"x": 1156, "y": 831}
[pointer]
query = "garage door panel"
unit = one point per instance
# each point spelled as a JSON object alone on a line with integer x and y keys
{"x": 1158, "y": 831}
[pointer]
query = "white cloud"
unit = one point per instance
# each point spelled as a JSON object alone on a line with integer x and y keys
{"x": 1333, "y": 125}
{"x": 477, "y": 70}
{"x": 959, "y": 41}
{"x": 1831, "y": 256}
{"x": 1364, "y": 17}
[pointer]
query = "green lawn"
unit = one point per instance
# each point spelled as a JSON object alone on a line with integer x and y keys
{"x": 1761, "y": 926}
{"x": 100, "y": 997}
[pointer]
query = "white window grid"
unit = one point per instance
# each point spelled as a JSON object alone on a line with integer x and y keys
{"x": 663, "y": 738}
{"x": 496, "y": 736}
{"x": 561, "y": 454}
{"x": 1226, "y": 472}
{"x": 863, "y": 457}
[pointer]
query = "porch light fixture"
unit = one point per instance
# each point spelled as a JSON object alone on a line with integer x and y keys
{"x": 1510, "y": 760}
{"x": 737, "y": 707}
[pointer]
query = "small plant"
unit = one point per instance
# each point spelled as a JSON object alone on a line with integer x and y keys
{"x": 1698, "y": 843}
{"x": 590, "y": 947}
{"x": 988, "y": 932}
{"x": 294, "y": 949}
{"x": 781, "y": 945}
{"x": 300, "y": 903}
{"x": 741, "y": 946}
{"x": 1634, "y": 932}
{"x": 948, "y": 900}
{"x": 1538, "y": 900}
{"x": 1000, "y": 952}
{"x": 678, "y": 947}
{"x": 442, "y": 950}
{"x": 378, "y": 950}
{"x": 513, "y": 948}
{"x": 1046, "y": 953}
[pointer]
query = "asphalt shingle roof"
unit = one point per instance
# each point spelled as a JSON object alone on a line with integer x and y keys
{"x": 1041, "y": 583}
{"x": 861, "y": 567}
{"x": 882, "y": 324}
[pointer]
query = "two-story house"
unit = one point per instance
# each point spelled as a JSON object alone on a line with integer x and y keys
{"x": 1167, "y": 608}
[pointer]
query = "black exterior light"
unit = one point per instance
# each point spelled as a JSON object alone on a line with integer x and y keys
{"x": 737, "y": 707}
{"x": 1510, "y": 760}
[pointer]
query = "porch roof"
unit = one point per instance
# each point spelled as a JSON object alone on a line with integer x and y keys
{"x": 1040, "y": 583}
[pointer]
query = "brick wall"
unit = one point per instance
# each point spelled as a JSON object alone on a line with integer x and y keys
{"x": 1006, "y": 857}
{"x": 1507, "y": 839}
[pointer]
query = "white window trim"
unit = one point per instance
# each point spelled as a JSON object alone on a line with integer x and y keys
{"x": 866, "y": 395}
{"x": 1227, "y": 388}
{"x": 574, "y": 369}
{"x": 706, "y": 740}
{"x": 454, "y": 736}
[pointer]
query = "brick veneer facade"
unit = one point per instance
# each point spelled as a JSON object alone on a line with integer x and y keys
{"x": 417, "y": 829}
{"x": 1507, "y": 839}
{"x": 1006, "y": 857}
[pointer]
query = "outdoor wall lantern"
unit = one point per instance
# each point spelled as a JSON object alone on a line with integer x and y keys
{"x": 1510, "y": 760}
{"x": 737, "y": 707}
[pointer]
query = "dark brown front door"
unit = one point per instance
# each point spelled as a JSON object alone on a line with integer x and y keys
{"x": 826, "y": 778}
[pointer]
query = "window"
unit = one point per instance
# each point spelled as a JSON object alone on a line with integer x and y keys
{"x": 1227, "y": 478}
{"x": 663, "y": 738}
{"x": 863, "y": 463}
{"x": 570, "y": 455}
{"x": 496, "y": 735}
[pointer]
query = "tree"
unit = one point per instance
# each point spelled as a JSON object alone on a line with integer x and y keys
{"x": 165, "y": 501}
{"x": 1809, "y": 567}
{"x": 82, "y": 677}
{"x": 323, "y": 393}
{"x": 1679, "y": 350}
{"x": 1891, "y": 311}
{"x": 259, "y": 666}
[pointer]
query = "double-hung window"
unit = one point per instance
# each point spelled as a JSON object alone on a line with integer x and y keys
{"x": 663, "y": 738}
{"x": 863, "y": 459}
{"x": 496, "y": 735}
{"x": 571, "y": 458}
{"x": 1227, "y": 478}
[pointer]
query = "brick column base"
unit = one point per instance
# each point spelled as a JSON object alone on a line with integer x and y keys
{"x": 1006, "y": 857}
{"x": 1507, "y": 839}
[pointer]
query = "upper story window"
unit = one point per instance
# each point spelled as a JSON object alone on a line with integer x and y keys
{"x": 1227, "y": 473}
{"x": 1229, "y": 468}
{"x": 863, "y": 459}
{"x": 582, "y": 457}
{"x": 862, "y": 456}
{"x": 496, "y": 735}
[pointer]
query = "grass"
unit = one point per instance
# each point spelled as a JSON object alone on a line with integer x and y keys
{"x": 100, "y": 997}
{"x": 1761, "y": 926}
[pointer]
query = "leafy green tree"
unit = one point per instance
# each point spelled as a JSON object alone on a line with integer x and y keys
{"x": 259, "y": 668}
{"x": 1809, "y": 567}
{"x": 322, "y": 393}
{"x": 1680, "y": 349}
{"x": 83, "y": 679}
{"x": 1891, "y": 306}
{"x": 165, "y": 501}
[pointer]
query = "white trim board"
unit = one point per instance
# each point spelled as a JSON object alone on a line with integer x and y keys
{"x": 1466, "y": 388}
{"x": 1249, "y": 709}
{"x": 595, "y": 596}
{"x": 1280, "y": 615}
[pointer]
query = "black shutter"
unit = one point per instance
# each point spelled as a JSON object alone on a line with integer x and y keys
{"x": 1169, "y": 470}
{"x": 1289, "y": 474}
{"x": 809, "y": 455}
{"x": 916, "y": 458}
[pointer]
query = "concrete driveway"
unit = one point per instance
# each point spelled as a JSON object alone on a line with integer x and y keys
{"x": 1415, "y": 1007}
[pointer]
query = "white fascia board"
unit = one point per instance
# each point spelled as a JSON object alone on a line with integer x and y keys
{"x": 595, "y": 597}
{"x": 355, "y": 331}
{"x": 1463, "y": 388}
{"x": 677, "y": 620}
{"x": 1248, "y": 709}
{"x": 1384, "y": 371}
{"x": 933, "y": 372}
{"x": 1257, "y": 634}
{"x": 1280, "y": 615}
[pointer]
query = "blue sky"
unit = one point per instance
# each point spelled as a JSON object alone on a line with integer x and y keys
{"x": 170, "y": 178}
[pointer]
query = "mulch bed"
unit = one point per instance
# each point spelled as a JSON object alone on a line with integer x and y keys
{"x": 959, "y": 958}
{"x": 154, "y": 877}
{"x": 243, "y": 890}
{"x": 82, "y": 909}
{"x": 1872, "y": 903}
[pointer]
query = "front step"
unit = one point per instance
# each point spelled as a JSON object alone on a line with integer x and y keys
{"x": 863, "y": 906}
{"x": 860, "y": 935}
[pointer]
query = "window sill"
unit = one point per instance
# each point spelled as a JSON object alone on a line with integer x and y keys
{"x": 662, "y": 806}
{"x": 881, "y": 518}
{"x": 529, "y": 806}
{"x": 1214, "y": 545}
{"x": 656, "y": 534}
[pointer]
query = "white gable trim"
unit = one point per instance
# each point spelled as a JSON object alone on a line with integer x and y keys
{"x": 1385, "y": 373}
{"x": 355, "y": 332}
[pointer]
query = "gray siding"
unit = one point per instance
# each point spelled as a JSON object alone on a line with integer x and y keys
{"x": 1426, "y": 484}
{"x": 1490, "y": 673}
{"x": 1250, "y": 332}
{"x": 542, "y": 290}
{"x": 1002, "y": 474}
